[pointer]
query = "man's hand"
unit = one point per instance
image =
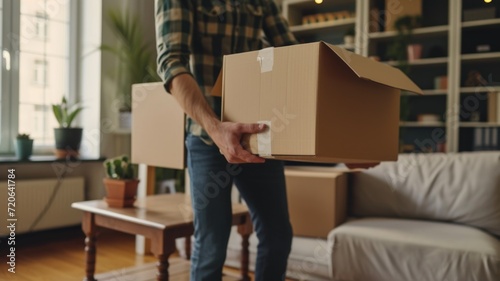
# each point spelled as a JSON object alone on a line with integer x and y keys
{"x": 227, "y": 136}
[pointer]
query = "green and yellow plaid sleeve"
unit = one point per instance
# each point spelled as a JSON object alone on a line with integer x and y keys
{"x": 174, "y": 25}
{"x": 276, "y": 27}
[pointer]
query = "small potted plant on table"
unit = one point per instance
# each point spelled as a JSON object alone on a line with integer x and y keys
{"x": 24, "y": 146}
{"x": 121, "y": 184}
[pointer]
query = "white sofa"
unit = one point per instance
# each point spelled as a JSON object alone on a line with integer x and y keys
{"x": 425, "y": 217}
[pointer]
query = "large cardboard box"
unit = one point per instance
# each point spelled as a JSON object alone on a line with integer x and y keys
{"x": 317, "y": 200}
{"x": 321, "y": 103}
{"x": 157, "y": 127}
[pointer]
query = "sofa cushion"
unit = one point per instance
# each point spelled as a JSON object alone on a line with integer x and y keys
{"x": 394, "y": 249}
{"x": 460, "y": 187}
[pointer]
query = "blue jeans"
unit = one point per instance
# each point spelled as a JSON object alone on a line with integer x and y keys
{"x": 262, "y": 186}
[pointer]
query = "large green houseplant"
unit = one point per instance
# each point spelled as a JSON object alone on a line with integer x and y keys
{"x": 120, "y": 182}
{"x": 68, "y": 139}
{"x": 136, "y": 58}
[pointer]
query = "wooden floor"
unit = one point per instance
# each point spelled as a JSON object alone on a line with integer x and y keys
{"x": 59, "y": 255}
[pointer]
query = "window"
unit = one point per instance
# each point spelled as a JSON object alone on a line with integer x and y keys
{"x": 40, "y": 32}
{"x": 41, "y": 25}
{"x": 40, "y": 74}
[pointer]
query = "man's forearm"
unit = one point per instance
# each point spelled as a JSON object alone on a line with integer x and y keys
{"x": 226, "y": 135}
{"x": 187, "y": 93}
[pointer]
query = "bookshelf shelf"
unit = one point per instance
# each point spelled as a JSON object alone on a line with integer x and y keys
{"x": 314, "y": 28}
{"x": 479, "y": 124}
{"x": 480, "y": 23}
{"x": 418, "y": 32}
{"x": 422, "y": 124}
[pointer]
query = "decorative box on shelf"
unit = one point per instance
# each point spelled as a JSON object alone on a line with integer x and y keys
{"x": 479, "y": 14}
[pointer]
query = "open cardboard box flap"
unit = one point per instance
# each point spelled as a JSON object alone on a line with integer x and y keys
{"x": 369, "y": 69}
{"x": 363, "y": 67}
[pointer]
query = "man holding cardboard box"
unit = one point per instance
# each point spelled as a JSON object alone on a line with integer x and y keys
{"x": 192, "y": 38}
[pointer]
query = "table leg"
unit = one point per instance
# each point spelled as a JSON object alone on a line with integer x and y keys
{"x": 187, "y": 247}
{"x": 162, "y": 247}
{"x": 89, "y": 228}
{"x": 162, "y": 267}
{"x": 245, "y": 230}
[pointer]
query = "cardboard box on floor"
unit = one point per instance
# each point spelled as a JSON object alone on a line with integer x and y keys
{"x": 321, "y": 103}
{"x": 157, "y": 127}
{"x": 317, "y": 200}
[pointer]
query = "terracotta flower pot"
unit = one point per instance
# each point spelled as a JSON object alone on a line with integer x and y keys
{"x": 414, "y": 52}
{"x": 120, "y": 193}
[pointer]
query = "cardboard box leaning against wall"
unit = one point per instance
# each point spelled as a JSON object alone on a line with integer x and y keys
{"x": 320, "y": 102}
{"x": 157, "y": 127}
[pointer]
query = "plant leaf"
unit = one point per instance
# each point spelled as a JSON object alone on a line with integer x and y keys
{"x": 58, "y": 114}
{"x": 72, "y": 116}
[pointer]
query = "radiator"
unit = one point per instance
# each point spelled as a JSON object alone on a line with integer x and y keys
{"x": 32, "y": 197}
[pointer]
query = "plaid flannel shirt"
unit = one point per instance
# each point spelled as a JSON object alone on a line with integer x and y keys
{"x": 194, "y": 35}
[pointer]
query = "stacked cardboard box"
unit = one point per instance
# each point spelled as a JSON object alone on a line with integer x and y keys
{"x": 317, "y": 200}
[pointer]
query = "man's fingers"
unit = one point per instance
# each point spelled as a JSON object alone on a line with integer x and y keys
{"x": 239, "y": 155}
{"x": 251, "y": 128}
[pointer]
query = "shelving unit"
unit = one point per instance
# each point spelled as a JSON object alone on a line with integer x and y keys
{"x": 331, "y": 31}
{"x": 450, "y": 49}
{"x": 322, "y": 27}
{"x": 433, "y": 35}
{"x": 479, "y": 99}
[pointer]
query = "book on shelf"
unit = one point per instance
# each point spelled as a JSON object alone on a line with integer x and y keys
{"x": 493, "y": 107}
{"x": 486, "y": 139}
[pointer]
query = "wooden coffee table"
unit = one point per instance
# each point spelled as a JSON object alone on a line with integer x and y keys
{"x": 161, "y": 218}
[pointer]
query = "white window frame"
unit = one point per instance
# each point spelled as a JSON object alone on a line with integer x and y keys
{"x": 9, "y": 111}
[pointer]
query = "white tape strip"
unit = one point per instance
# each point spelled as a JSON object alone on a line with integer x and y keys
{"x": 264, "y": 140}
{"x": 266, "y": 59}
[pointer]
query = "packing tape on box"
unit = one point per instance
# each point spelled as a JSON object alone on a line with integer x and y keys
{"x": 266, "y": 59}
{"x": 264, "y": 140}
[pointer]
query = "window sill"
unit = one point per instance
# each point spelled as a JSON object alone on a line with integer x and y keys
{"x": 37, "y": 159}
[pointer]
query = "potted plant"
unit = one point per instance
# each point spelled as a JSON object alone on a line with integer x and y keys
{"x": 24, "y": 146}
{"x": 68, "y": 139}
{"x": 137, "y": 62}
{"x": 120, "y": 182}
{"x": 398, "y": 49}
